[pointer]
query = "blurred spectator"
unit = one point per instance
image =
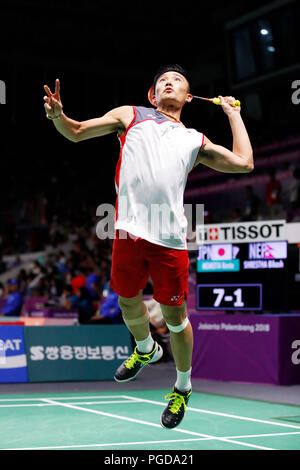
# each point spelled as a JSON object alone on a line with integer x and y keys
{"x": 253, "y": 205}
{"x": 82, "y": 302}
{"x": 106, "y": 288}
{"x": 61, "y": 263}
{"x": 36, "y": 268}
{"x": 54, "y": 290}
{"x": 110, "y": 312}
{"x": 34, "y": 282}
{"x": 14, "y": 301}
{"x": 93, "y": 283}
{"x": 85, "y": 306}
{"x": 23, "y": 280}
{"x": 70, "y": 299}
{"x": 273, "y": 192}
{"x": 41, "y": 288}
{"x": 78, "y": 281}
{"x": 293, "y": 195}
{"x": 2, "y": 290}
{"x": 36, "y": 293}
{"x": 294, "y": 190}
{"x": 17, "y": 262}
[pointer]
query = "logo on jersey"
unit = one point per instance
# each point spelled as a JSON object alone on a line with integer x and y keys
{"x": 175, "y": 298}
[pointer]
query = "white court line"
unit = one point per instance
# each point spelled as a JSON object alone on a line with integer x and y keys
{"x": 110, "y": 415}
{"x": 264, "y": 435}
{"x": 113, "y": 444}
{"x": 63, "y": 398}
{"x": 73, "y": 403}
{"x": 116, "y": 444}
{"x": 198, "y": 410}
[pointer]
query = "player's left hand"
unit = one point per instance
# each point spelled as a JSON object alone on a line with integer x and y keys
{"x": 227, "y": 107}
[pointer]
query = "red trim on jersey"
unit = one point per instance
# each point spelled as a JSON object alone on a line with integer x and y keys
{"x": 144, "y": 120}
{"x": 198, "y": 153}
{"x": 122, "y": 139}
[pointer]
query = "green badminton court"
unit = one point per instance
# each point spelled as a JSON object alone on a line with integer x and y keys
{"x": 131, "y": 421}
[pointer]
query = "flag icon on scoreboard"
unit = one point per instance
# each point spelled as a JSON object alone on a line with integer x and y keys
{"x": 221, "y": 252}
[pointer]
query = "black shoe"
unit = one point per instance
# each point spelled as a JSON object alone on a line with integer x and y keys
{"x": 130, "y": 368}
{"x": 174, "y": 411}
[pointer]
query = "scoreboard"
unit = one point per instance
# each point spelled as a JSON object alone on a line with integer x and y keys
{"x": 253, "y": 275}
{"x": 229, "y": 296}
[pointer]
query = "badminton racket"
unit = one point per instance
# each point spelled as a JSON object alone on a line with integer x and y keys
{"x": 235, "y": 103}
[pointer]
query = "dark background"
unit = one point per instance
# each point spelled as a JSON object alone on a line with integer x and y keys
{"x": 105, "y": 55}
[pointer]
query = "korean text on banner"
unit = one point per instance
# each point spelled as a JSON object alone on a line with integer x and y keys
{"x": 85, "y": 352}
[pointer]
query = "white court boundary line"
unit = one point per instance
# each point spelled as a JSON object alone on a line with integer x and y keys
{"x": 73, "y": 403}
{"x": 63, "y": 398}
{"x": 116, "y": 444}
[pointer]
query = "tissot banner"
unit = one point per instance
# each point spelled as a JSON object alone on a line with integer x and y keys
{"x": 242, "y": 232}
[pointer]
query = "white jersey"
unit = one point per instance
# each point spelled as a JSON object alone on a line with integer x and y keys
{"x": 155, "y": 159}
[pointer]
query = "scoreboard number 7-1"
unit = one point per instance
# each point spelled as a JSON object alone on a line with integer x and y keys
{"x": 220, "y": 292}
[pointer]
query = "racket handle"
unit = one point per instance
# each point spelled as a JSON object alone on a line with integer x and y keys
{"x": 235, "y": 103}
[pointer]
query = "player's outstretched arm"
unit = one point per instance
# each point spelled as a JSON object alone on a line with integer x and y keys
{"x": 115, "y": 120}
{"x": 222, "y": 159}
{"x": 240, "y": 159}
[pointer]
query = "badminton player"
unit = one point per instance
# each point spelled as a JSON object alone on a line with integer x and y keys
{"x": 157, "y": 154}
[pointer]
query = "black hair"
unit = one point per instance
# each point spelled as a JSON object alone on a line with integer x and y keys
{"x": 170, "y": 68}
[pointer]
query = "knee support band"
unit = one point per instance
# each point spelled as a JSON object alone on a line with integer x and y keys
{"x": 140, "y": 320}
{"x": 178, "y": 328}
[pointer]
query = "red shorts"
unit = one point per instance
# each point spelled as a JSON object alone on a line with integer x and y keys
{"x": 134, "y": 260}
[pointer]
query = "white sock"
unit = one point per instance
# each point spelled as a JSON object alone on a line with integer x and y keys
{"x": 183, "y": 382}
{"x": 146, "y": 345}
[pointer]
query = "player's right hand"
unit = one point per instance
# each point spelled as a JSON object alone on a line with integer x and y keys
{"x": 53, "y": 105}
